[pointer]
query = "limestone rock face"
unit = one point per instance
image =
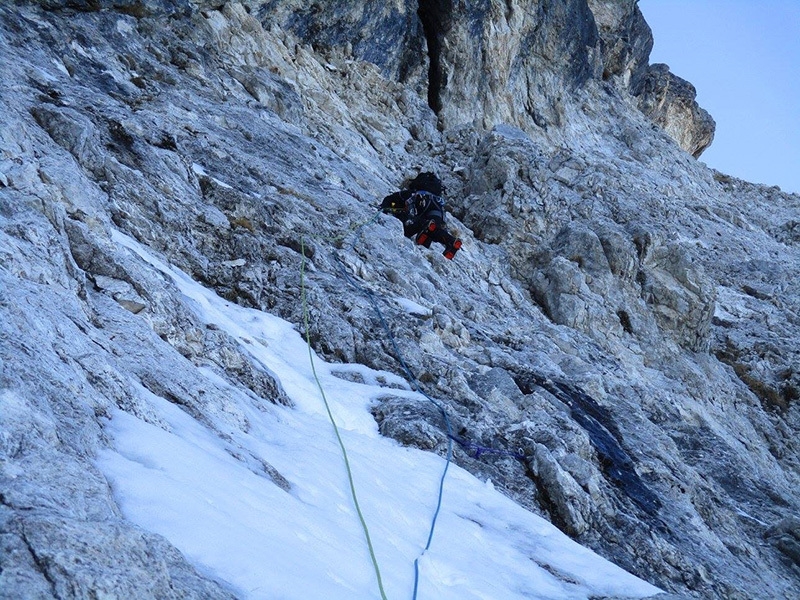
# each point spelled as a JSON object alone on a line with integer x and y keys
{"x": 485, "y": 62}
{"x": 489, "y": 62}
{"x": 493, "y": 63}
{"x": 670, "y": 102}
{"x": 626, "y": 39}
{"x": 615, "y": 343}
{"x": 389, "y": 35}
{"x": 136, "y": 8}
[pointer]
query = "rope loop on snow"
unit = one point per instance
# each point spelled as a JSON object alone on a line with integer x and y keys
{"x": 481, "y": 450}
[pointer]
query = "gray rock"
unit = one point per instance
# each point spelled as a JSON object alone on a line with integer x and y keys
{"x": 614, "y": 344}
{"x": 626, "y": 40}
{"x": 786, "y": 536}
{"x": 670, "y": 102}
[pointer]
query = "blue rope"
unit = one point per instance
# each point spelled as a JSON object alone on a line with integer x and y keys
{"x": 480, "y": 450}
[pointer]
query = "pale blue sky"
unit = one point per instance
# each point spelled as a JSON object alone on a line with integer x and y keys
{"x": 743, "y": 57}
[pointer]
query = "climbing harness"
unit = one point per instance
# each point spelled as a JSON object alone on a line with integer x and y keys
{"x": 421, "y": 202}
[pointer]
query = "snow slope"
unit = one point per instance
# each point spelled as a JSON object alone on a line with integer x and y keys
{"x": 201, "y": 490}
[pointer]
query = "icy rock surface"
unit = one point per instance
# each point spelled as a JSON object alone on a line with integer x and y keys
{"x": 621, "y": 315}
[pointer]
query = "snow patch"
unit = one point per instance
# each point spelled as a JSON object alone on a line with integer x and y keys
{"x": 413, "y": 308}
{"x": 180, "y": 479}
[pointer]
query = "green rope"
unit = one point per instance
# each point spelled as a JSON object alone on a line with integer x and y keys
{"x": 330, "y": 414}
{"x": 338, "y": 239}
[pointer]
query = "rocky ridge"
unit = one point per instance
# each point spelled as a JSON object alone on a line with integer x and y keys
{"x": 621, "y": 314}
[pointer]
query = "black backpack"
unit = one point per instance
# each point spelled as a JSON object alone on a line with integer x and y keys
{"x": 427, "y": 182}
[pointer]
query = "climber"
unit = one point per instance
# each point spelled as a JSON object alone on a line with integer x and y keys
{"x": 421, "y": 209}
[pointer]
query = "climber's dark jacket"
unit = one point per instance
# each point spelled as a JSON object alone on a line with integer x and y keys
{"x": 421, "y": 209}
